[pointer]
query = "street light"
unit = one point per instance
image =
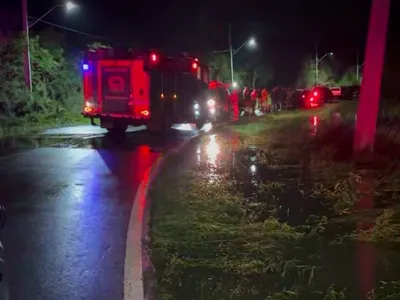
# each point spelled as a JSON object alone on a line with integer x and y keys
{"x": 317, "y": 61}
{"x": 68, "y": 6}
{"x": 251, "y": 42}
{"x": 27, "y": 56}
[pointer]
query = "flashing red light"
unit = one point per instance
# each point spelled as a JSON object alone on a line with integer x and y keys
{"x": 315, "y": 94}
{"x": 311, "y": 99}
{"x": 145, "y": 112}
{"x": 194, "y": 66}
{"x": 154, "y": 57}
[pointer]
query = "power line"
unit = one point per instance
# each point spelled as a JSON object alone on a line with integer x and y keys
{"x": 70, "y": 29}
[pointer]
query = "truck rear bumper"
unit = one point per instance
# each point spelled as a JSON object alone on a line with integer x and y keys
{"x": 128, "y": 119}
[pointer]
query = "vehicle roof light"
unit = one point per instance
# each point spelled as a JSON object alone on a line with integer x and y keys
{"x": 85, "y": 67}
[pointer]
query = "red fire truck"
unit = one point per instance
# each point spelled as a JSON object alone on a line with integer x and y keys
{"x": 124, "y": 87}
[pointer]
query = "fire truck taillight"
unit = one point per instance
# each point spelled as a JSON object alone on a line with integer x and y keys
{"x": 145, "y": 113}
{"x": 90, "y": 107}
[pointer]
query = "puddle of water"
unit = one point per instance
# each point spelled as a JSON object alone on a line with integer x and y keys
{"x": 276, "y": 191}
{"x": 128, "y": 142}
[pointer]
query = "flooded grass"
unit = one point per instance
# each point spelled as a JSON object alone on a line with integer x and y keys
{"x": 278, "y": 209}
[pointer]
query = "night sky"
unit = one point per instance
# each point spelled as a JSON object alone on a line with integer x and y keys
{"x": 286, "y": 30}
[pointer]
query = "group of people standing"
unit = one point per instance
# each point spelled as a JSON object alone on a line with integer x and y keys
{"x": 256, "y": 99}
{"x": 263, "y": 100}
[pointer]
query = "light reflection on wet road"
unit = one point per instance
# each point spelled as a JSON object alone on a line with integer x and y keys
{"x": 68, "y": 205}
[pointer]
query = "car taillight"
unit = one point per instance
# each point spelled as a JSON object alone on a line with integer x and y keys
{"x": 153, "y": 58}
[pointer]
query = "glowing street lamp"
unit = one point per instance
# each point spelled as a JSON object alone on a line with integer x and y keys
{"x": 251, "y": 42}
{"x": 67, "y": 5}
{"x": 70, "y": 5}
{"x": 27, "y": 60}
{"x": 317, "y": 61}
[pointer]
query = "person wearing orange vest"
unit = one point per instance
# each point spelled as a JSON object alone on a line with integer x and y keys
{"x": 264, "y": 99}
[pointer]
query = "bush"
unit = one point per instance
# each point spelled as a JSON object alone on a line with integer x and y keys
{"x": 56, "y": 84}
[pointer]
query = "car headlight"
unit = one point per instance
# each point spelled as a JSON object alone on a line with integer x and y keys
{"x": 196, "y": 106}
{"x": 211, "y": 102}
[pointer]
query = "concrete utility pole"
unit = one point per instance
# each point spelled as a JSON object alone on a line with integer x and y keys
{"x": 27, "y": 57}
{"x": 231, "y": 52}
{"x": 368, "y": 105}
{"x": 316, "y": 65}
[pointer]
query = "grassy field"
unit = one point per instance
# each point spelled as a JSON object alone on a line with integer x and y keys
{"x": 294, "y": 229}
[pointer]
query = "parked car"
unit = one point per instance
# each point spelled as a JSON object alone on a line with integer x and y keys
{"x": 336, "y": 92}
{"x": 324, "y": 94}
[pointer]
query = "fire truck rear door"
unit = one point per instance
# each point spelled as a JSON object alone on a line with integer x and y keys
{"x": 115, "y": 86}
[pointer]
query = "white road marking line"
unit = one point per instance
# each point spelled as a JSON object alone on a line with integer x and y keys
{"x": 135, "y": 256}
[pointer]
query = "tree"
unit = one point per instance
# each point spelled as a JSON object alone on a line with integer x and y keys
{"x": 308, "y": 75}
{"x": 258, "y": 76}
{"x": 55, "y": 80}
{"x": 221, "y": 68}
{"x": 349, "y": 78}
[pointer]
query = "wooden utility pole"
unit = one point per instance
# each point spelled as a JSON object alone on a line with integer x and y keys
{"x": 27, "y": 56}
{"x": 368, "y": 105}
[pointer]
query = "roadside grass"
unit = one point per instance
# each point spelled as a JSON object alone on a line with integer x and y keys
{"x": 205, "y": 244}
{"x": 34, "y": 124}
{"x": 211, "y": 238}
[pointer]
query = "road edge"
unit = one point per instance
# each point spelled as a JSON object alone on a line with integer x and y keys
{"x": 136, "y": 257}
{"x": 137, "y": 262}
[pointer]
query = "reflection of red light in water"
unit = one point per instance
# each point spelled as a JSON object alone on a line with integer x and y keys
{"x": 235, "y": 143}
{"x": 365, "y": 251}
{"x": 315, "y": 120}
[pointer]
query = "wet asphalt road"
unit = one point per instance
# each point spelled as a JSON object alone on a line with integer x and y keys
{"x": 68, "y": 198}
